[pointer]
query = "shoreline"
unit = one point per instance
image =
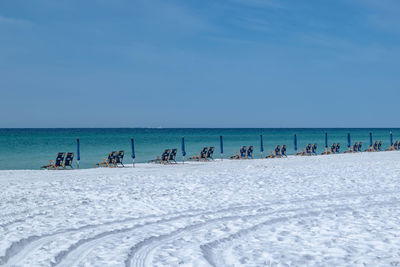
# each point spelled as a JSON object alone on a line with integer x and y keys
{"x": 216, "y": 160}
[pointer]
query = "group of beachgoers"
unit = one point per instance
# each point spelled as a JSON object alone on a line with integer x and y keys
{"x": 115, "y": 158}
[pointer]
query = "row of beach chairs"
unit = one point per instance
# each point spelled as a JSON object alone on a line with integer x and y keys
{"x": 63, "y": 160}
{"x": 376, "y": 147}
{"x": 395, "y": 146}
{"x": 244, "y": 153}
{"x": 311, "y": 149}
{"x": 113, "y": 160}
{"x": 279, "y": 152}
{"x": 334, "y": 149}
{"x": 167, "y": 157}
{"x": 206, "y": 153}
{"x": 355, "y": 148}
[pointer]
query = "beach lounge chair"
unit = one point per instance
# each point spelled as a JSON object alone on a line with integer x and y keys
{"x": 337, "y": 148}
{"x": 59, "y": 162}
{"x": 172, "y": 156}
{"x": 202, "y": 155}
{"x": 359, "y": 146}
{"x": 108, "y": 162}
{"x": 333, "y": 148}
{"x": 236, "y": 156}
{"x": 283, "y": 151}
{"x": 163, "y": 158}
{"x": 243, "y": 151}
{"x": 306, "y": 151}
{"x": 68, "y": 160}
{"x": 250, "y": 152}
{"x": 241, "y": 154}
{"x": 372, "y": 148}
{"x": 328, "y": 150}
{"x": 314, "y": 149}
{"x": 119, "y": 157}
{"x": 276, "y": 153}
{"x": 392, "y": 147}
{"x": 353, "y": 148}
{"x": 210, "y": 153}
{"x": 396, "y": 145}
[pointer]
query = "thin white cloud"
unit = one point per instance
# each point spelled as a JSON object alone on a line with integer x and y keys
{"x": 13, "y": 21}
{"x": 383, "y": 14}
{"x": 260, "y": 3}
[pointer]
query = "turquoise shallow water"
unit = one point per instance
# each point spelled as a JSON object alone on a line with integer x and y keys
{"x": 32, "y": 148}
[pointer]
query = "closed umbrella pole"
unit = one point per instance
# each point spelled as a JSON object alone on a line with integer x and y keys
{"x": 221, "y": 146}
{"x": 348, "y": 140}
{"x": 183, "y": 150}
{"x": 326, "y": 140}
{"x": 261, "y": 145}
{"x": 370, "y": 139}
{"x": 78, "y": 153}
{"x": 391, "y": 139}
{"x": 133, "y": 152}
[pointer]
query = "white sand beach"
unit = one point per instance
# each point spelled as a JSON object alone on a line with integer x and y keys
{"x": 337, "y": 210}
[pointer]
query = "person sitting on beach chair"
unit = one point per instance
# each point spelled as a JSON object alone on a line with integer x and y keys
{"x": 119, "y": 157}
{"x": 172, "y": 155}
{"x": 68, "y": 160}
{"x": 59, "y": 162}
{"x": 108, "y": 162}
{"x": 379, "y": 146}
{"x": 283, "y": 151}
{"x": 250, "y": 152}
{"x": 202, "y": 155}
{"x": 163, "y": 159}
{"x": 210, "y": 153}
{"x": 276, "y": 153}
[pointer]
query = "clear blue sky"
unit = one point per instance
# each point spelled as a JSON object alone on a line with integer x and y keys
{"x": 210, "y": 63}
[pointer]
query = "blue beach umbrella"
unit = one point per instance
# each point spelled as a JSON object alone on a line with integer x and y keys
{"x": 348, "y": 140}
{"x": 295, "y": 144}
{"x": 183, "y": 149}
{"x": 261, "y": 145}
{"x": 78, "y": 153}
{"x": 221, "y": 146}
{"x": 326, "y": 140}
{"x": 133, "y": 152}
{"x": 370, "y": 139}
{"x": 391, "y": 139}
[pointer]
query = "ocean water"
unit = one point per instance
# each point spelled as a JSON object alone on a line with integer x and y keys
{"x": 32, "y": 148}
